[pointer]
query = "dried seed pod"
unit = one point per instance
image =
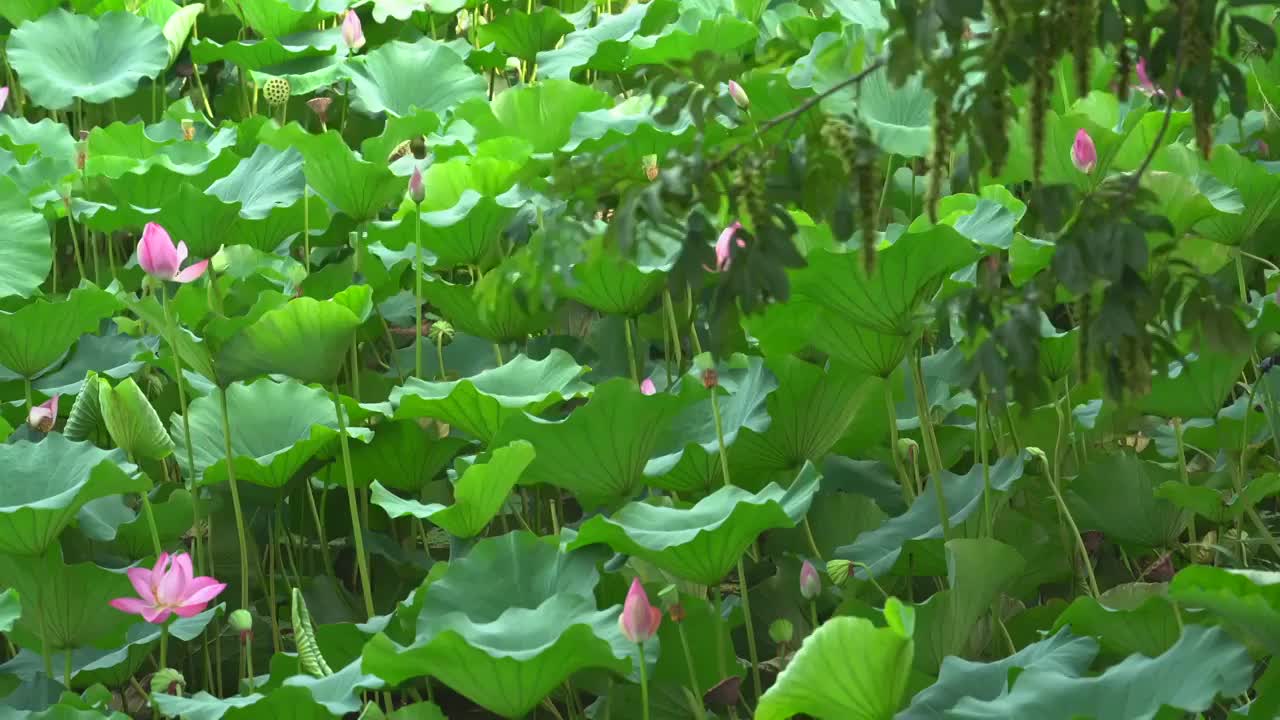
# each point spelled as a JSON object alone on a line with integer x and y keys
{"x": 276, "y": 91}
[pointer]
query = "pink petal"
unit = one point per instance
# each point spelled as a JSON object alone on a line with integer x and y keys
{"x": 202, "y": 589}
{"x": 192, "y": 273}
{"x": 161, "y": 566}
{"x": 133, "y": 606}
{"x": 155, "y": 615}
{"x": 722, "y": 245}
{"x": 638, "y": 621}
{"x": 141, "y": 579}
{"x": 182, "y": 562}
{"x": 171, "y": 586}
{"x": 647, "y": 387}
{"x": 156, "y": 253}
{"x": 190, "y": 609}
{"x": 182, "y": 252}
{"x": 4, "y": 96}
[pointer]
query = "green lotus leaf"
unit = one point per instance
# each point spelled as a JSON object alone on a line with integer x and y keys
{"x": 696, "y": 31}
{"x": 899, "y": 117}
{"x": 1062, "y": 654}
{"x": 389, "y": 78}
{"x": 506, "y": 625}
{"x": 174, "y": 517}
{"x": 701, "y": 543}
{"x": 266, "y": 180}
{"x": 1248, "y": 600}
{"x": 46, "y": 483}
{"x": 1259, "y": 194}
{"x": 978, "y": 571}
{"x": 25, "y": 256}
{"x": 260, "y": 54}
{"x": 119, "y": 149}
{"x": 20, "y": 11}
{"x": 63, "y": 57}
{"x": 687, "y": 458}
{"x": 863, "y": 13}
{"x": 300, "y": 697}
{"x": 478, "y": 494}
{"x": 357, "y": 187}
{"x": 272, "y": 343}
{"x": 85, "y": 421}
{"x": 542, "y": 114}
{"x": 277, "y": 428}
{"x": 1203, "y": 664}
{"x": 1195, "y": 388}
{"x": 493, "y": 308}
{"x": 525, "y": 35}
{"x": 1116, "y": 495}
{"x": 870, "y": 319}
{"x": 403, "y": 456}
{"x": 617, "y": 430}
{"x": 821, "y": 682}
{"x": 608, "y": 37}
{"x": 305, "y": 75}
{"x": 175, "y": 23}
{"x": 66, "y": 604}
{"x": 10, "y": 609}
{"x": 606, "y": 281}
{"x": 631, "y": 129}
{"x": 879, "y": 549}
{"x": 37, "y": 334}
{"x": 30, "y": 140}
{"x": 110, "y": 355}
{"x": 276, "y": 18}
{"x": 132, "y": 423}
{"x": 464, "y": 234}
{"x": 481, "y": 403}
{"x": 1126, "y": 619}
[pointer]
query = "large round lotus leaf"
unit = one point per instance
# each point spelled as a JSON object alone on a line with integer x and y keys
{"x": 1115, "y": 494}
{"x": 275, "y": 18}
{"x": 461, "y": 235}
{"x": 37, "y": 334}
{"x": 506, "y": 625}
{"x": 131, "y": 421}
{"x": 20, "y": 11}
{"x": 703, "y": 542}
{"x": 121, "y": 148}
{"x": 477, "y": 496}
{"x": 259, "y": 54}
{"x": 481, "y": 403}
{"x": 606, "y": 39}
{"x": 359, "y": 188}
{"x": 390, "y": 79}
{"x": 402, "y": 455}
{"x": 822, "y": 682}
{"x": 44, "y": 484}
{"x": 306, "y": 339}
{"x": 67, "y": 603}
{"x": 63, "y": 56}
{"x": 599, "y": 452}
{"x": 524, "y": 35}
{"x": 276, "y": 428}
{"x": 492, "y": 309}
{"x": 542, "y": 114}
{"x": 25, "y": 254}
{"x": 10, "y": 609}
{"x": 616, "y": 285}
{"x": 299, "y": 697}
{"x": 1248, "y": 600}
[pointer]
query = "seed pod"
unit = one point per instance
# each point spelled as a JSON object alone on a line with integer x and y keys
{"x": 276, "y": 91}
{"x": 304, "y": 637}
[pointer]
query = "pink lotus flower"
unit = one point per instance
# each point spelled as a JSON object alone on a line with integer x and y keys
{"x": 417, "y": 191}
{"x": 1084, "y": 155}
{"x": 168, "y": 588}
{"x": 352, "y": 31}
{"x": 1144, "y": 80}
{"x": 723, "y": 250}
{"x": 739, "y": 95}
{"x": 43, "y": 416}
{"x": 810, "y": 583}
{"x": 639, "y": 620}
{"x": 4, "y": 96}
{"x": 158, "y": 256}
{"x": 647, "y": 387}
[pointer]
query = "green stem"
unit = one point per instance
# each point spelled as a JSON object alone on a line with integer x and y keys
{"x": 440, "y": 355}
{"x": 164, "y": 645}
{"x": 151, "y": 522}
{"x": 306, "y": 228}
{"x": 235, "y": 499}
{"x": 497, "y": 354}
{"x": 356, "y": 531}
{"x": 669, "y": 307}
{"x": 742, "y": 574}
{"x": 324, "y": 542}
{"x": 26, "y": 387}
{"x": 908, "y": 492}
{"x": 417, "y": 293}
{"x": 631, "y": 351}
{"x": 247, "y": 650}
{"x": 813, "y": 613}
{"x": 1075, "y": 530}
{"x": 988, "y": 520}
{"x": 644, "y": 684}
{"x": 693, "y": 673}
{"x": 1186, "y": 476}
{"x": 171, "y": 333}
{"x": 722, "y": 631}
{"x": 932, "y": 456}
{"x": 66, "y": 668}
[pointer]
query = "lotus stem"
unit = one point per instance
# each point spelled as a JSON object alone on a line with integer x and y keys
{"x": 813, "y": 613}
{"x": 151, "y": 522}
{"x": 742, "y": 574}
{"x": 417, "y": 293}
{"x": 306, "y": 228}
{"x": 1186, "y": 476}
{"x": 26, "y": 387}
{"x": 235, "y": 498}
{"x": 908, "y": 491}
{"x": 988, "y": 520}
{"x": 644, "y": 684}
{"x": 1075, "y": 530}
{"x": 361, "y": 561}
{"x": 932, "y": 454}
{"x": 694, "y": 686}
{"x": 171, "y": 331}
{"x": 631, "y": 350}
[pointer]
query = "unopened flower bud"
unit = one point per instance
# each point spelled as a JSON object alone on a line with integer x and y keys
{"x": 908, "y": 449}
{"x": 781, "y": 631}
{"x": 167, "y": 681}
{"x": 739, "y": 95}
{"x": 241, "y": 621}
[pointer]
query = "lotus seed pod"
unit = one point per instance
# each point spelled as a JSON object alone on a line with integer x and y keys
{"x": 277, "y": 91}
{"x": 781, "y": 631}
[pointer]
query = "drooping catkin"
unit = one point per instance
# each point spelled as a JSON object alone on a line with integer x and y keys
{"x": 1084, "y": 15}
{"x": 939, "y": 157}
{"x": 304, "y": 637}
{"x": 1041, "y": 83}
{"x": 865, "y": 171}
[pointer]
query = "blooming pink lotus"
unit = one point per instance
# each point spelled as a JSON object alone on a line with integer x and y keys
{"x": 352, "y": 31}
{"x": 723, "y": 250}
{"x": 158, "y": 256}
{"x": 4, "y": 96}
{"x": 1084, "y": 155}
{"x": 639, "y": 620}
{"x": 810, "y": 583}
{"x": 168, "y": 588}
{"x": 647, "y": 387}
{"x": 43, "y": 416}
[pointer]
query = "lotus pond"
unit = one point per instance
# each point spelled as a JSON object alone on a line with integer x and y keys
{"x": 841, "y": 359}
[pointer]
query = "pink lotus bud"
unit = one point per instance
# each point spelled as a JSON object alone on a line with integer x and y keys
{"x": 352, "y": 31}
{"x": 1144, "y": 80}
{"x": 646, "y": 387}
{"x": 159, "y": 258}
{"x": 43, "y": 416}
{"x": 417, "y": 191}
{"x": 739, "y": 95}
{"x": 4, "y": 96}
{"x": 639, "y": 620}
{"x": 810, "y": 583}
{"x": 723, "y": 251}
{"x": 1083, "y": 153}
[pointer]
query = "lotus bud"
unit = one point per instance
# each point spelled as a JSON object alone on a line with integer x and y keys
{"x": 352, "y": 31}
{"x": 838, "y": 570}
{"x": 710, "y": 378}
{"x": 908, "y": 450}
{"x": 1084, "y": 155}
{"x": 464, "y": 22}
{"x": 810, "y": 583}
{"x": 242, "y": 622}
{"x": 647, "y": 387}
{"x": 82, "y": 152}
{"x": 781, "y": 631}
{"x": 639, "y": 620}
{"x": 739, "y": 95}
{"x": 42, "y": 417}
{"x": 417, "y": 191}
{"x": 167, "y": 681}
{"x": 220, "y": 260}
{"x": 1038, "y": 454}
